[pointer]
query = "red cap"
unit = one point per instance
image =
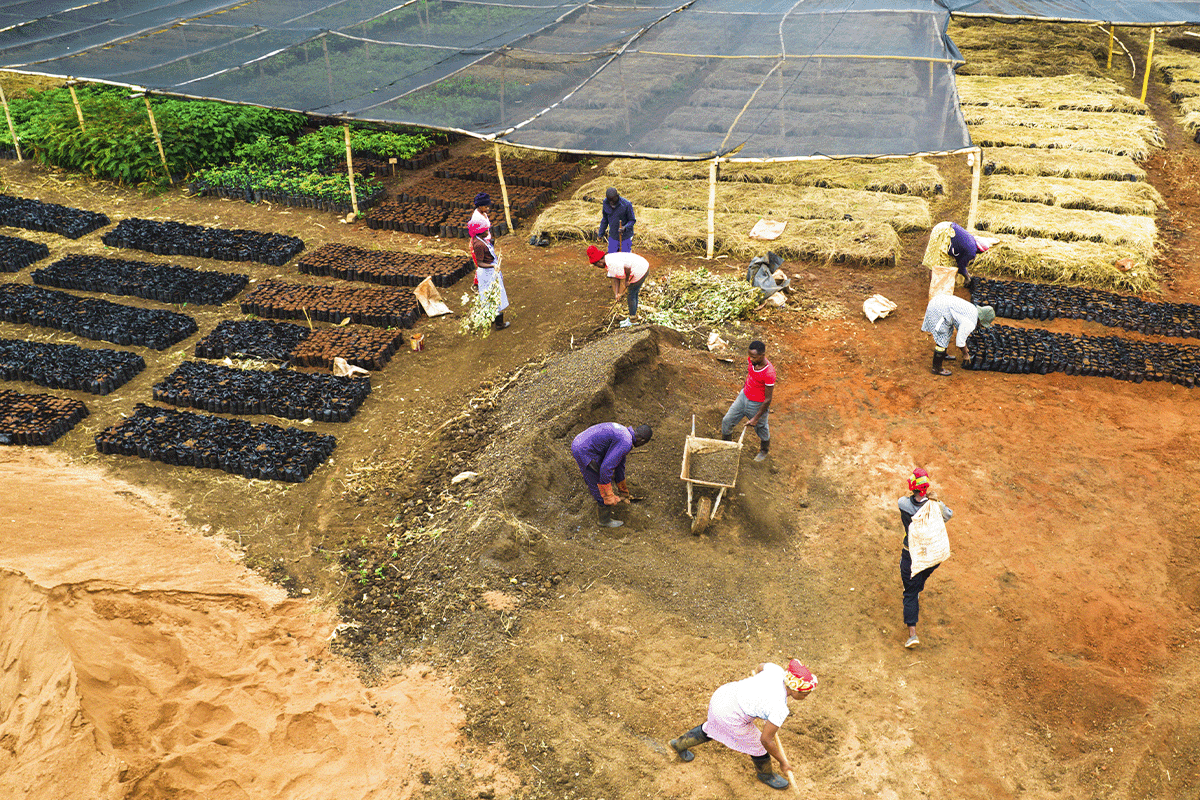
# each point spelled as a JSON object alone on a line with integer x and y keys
{"x": 595, "y": 253}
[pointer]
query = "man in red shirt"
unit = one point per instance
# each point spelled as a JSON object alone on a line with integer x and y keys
{"x": 754, "y": 400}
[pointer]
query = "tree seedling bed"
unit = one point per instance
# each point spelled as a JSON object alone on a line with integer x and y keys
{"x": 34, "y": 215}
{"x": 388, "y": 267}
{"x": 93, "y": 318}
{"x": 165, "y": 283}
{"x": 16, "y": 253}
{"x": 67, "y": 366}
{"x": 1018, "y": 300}
{"x": 1007, "y": 348}
{"x": 253, "y": 338}
{"x": 179, "y": 239}
{"x": 457, "y": 194}
{"x": 517, "y": 172}
{"x": 182, "y": 438}
{"x": 369, "y": 348}
{"x": 380, "y": 308}
{"x": 284, "y": 393}
{"x": 37, "y": 419}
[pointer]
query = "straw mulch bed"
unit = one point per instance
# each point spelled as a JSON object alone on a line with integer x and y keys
{"x": 1077, "y": 92}
{"x": 772, "y": 200}
{"x": 1029, "y": 48}
{"x": 864, "y": 243}
{"x": 1178, "y": 64}
{"x": 1058, "y": 163}
{"x": 1117, "y": 142}
{"x": 913, "y": 176}
{"x": 1119, "y": 197}
{"x": 1136, "y": 234}
{"x": 1076, "y": 263}
{"x": 1104, "y": 121}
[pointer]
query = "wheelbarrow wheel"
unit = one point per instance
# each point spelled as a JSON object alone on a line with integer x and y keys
{"x": 703, "y": 510}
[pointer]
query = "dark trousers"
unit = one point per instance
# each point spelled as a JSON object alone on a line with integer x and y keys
{"x": 631, "y": 292}
{"x": 913, "y": 584}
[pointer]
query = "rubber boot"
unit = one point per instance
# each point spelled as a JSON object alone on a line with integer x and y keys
{"x": 728, "y": 437}
{"x": 499, "y": 323}
{"x": 606, "y": 518}
{"x": 766, "y": 773}
{"x": 938, "y": 357}
{"x": 764, "y": 448}
{"x": 689, "y": 740}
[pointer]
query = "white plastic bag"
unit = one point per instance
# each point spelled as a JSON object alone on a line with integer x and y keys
{"x": 928, "y": 544}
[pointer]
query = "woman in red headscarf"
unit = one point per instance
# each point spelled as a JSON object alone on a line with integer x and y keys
{"x": 910, "y": 504}
{"x": 735, "y": 706}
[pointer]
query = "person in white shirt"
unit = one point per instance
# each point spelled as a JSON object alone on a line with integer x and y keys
{"x": 628, "y": 273}
{"x": 735, "y": 706}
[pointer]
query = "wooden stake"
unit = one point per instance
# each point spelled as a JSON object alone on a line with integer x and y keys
{"x": 976, "y": 169}
{"x": 1149, "y": 60}
{"x": 350, "y": 170}
{"x": 503, "y": 188}
{"x": 1112, "y": 32}
{"x": 157, "y": 138}
{"x": 75, "y": 100}
{"x": 12, "y": 130}
{"x": 712, "y": 205}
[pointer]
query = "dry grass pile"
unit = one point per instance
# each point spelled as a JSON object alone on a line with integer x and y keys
{"x": 772, "y": 200}
{"x": 865, "y": 243}
{"x": 1135, "y": 233}
{"x": 1009, "y": 49}
{"x": 1074, "y": 92}
{"x": 1076, "y": 263}
{"x": 1057, "y": 163}
{"x": 914, "y": 176}
{"x": 1178, "y": 64}
{"x": 1105, "y": 121}
{"x": 1117, "y": 142}
{"x": 1118, "y": 197}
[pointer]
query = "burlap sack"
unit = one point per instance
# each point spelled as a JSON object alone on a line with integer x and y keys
{"x": 928, "y": 543}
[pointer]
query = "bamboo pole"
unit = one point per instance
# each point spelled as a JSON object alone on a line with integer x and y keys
{"x": 712, "y": 206}
{"x": 75, "y": 100}
{"x": 157, "y": 139}
{"x": 503, "y": 75}
{"x": 1112, "y": 33}
{"x": 350, "y": 170}
{"x": 791, "y": 778}
{"x": 503, "y": 187}
{"x": 12, "y": 130}
{"x": 1149, "y": 59}
{"x": 976, "y": 161}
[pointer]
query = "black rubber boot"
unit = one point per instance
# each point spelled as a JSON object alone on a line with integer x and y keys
{"x": 766, "y": 773}
{"x": 606, "y": 518}
{"x": 938, "y": 358}
{"x": 689, "y": 740}
{"x": 499, "y": 323}
{"x": 764, "y": 448}
{"x": 728, "y": 437}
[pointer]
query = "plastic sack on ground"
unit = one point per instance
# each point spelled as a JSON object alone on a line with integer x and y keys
{"x": 760, "y": 274}
{"x": 877, "y": 307}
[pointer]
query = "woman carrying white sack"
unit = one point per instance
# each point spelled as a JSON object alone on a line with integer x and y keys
{"x": 950, "y": 251}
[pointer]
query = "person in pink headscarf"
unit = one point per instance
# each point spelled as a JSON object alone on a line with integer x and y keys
{"x": 910, "y": 504}
{"x": 735, "y": 706}
{"x": 487, "y": 266}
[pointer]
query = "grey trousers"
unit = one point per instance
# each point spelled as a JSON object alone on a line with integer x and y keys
{"x": 745, "y": 409}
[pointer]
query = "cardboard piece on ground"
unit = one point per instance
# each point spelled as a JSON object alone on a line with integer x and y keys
{"x": 768, "y": 229}
{"x": 430, "y": 298}
{"x": 344, "y": 369}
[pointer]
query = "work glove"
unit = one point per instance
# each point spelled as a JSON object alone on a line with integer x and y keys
{"x": 622, "y": 488}
{"x": 606, "y": 493}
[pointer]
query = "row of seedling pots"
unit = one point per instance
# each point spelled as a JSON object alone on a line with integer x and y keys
{"x": 16, "y": 253}
{"x": 381, "y": 308}
{"x": 37, "y": 419}
{"x": 387, "y": 267}
{"x": 67, "y": 366}
{"x": 93, "y": 318}
{"x": 165, "y": 283}
{"x": 34, "y": 215}
{"x": 167, "y": 238}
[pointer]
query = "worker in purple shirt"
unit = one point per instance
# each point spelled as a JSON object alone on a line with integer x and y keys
{"x": 616, "y": 217}
{"x": 600, "y": 453}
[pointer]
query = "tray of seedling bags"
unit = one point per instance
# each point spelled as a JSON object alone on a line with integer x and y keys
{"x": 93, "y": 318}
{"x": 252, "y": 338}
{"x": 185, "y": 439}
{"x": 34, "y": 215}
{"x": 381, "y": 308}
{"x": 37, "y": 419}
{"x": 1019, "y": 300}
{"x": 458, "y": 194}
{"x": 166, "y": 283}
{"x": 67, "y": 366}
{"x": 517, "y": 172}
{"x": 362, "y": 346}
{"x": 17, "y": 253}
{"x": 1011, "y": 349}
{"x": 284, "y": 393}
{"x": 179, "y": 239}
{"x": 387, "y": 267}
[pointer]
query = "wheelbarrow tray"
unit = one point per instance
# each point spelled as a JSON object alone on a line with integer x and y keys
{"x": 694, "y": 445}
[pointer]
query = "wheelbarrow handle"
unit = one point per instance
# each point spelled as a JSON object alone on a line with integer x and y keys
{"x": 743, "y": 436}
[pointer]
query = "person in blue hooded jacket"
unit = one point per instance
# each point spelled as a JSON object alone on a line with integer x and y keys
{"x": 617, "y": 219}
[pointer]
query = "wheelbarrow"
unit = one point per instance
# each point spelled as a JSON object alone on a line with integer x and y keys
{"x": 719, "y": 473}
